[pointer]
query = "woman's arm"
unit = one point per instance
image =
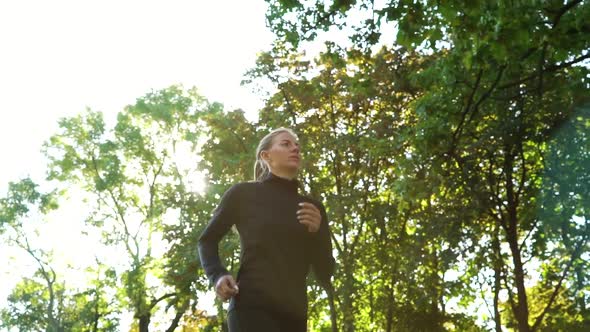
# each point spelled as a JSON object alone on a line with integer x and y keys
{"x": 221, "y": 221}
{"x": 322, "y": 261}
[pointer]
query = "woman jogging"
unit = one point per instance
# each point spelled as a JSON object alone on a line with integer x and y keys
{"x": 282, "y": 234}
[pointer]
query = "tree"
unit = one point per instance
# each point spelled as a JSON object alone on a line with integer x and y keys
{"x": 134, "y": 172}
{"x": 42, "y": 301}
{"x": 503, "y": 77}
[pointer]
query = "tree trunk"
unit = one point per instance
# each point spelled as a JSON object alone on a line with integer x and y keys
{"x": 179, "y": 313}
{"x": 347, "y": 302}
{"x": 522, "y": 309}
{"x": 144, "y": 323}
{"x": 96, "y": 311}
{"x": 221, "y": 320}
{"x": 390, "y": 304}
{"x": 497, "y": 277}
{"x": 436, "y": 295}
{"x": 333, "y": 312}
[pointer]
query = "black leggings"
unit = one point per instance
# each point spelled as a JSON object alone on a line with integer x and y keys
{"x": 261, "y": 320}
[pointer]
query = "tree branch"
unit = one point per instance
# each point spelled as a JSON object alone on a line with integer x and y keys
{"x": 163, "y": 297}
{"x": 574, "y": 256}
{"x": 488, "y": 92}
{"x": 563, "y": 10}
{"x": 522, "y": 244}
{"x": 546, "y": 70}
{"x": 467, "y": 107}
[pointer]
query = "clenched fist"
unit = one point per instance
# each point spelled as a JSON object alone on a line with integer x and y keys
{"x": 309, "y": 215}
{"x": 226, "y": 287}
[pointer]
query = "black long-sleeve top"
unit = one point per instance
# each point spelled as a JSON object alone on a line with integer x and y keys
{"x": 277, "y": 251}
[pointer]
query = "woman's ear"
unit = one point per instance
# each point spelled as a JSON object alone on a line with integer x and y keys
{"x": 265, "y": 156}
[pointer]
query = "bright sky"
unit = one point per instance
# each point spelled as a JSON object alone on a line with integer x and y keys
{"x": 59, "y": 57}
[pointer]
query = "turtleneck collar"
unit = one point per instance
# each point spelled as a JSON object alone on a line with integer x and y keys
{"x": 292, "y": 185}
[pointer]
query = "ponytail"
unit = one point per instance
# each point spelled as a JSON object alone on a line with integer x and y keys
{"x": 261, "y": 169}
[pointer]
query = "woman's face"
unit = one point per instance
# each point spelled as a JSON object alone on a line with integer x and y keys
{"x": 283, "y": 155}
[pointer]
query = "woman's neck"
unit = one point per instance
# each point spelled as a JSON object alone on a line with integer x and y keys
{"x": 289, "y": 175}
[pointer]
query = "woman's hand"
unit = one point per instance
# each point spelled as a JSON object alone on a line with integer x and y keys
{"x": 309, "y": 215}
{"x": 226, "y": 287}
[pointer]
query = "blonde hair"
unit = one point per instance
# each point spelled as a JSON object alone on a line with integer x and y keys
{"x": 261, "y": 168}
